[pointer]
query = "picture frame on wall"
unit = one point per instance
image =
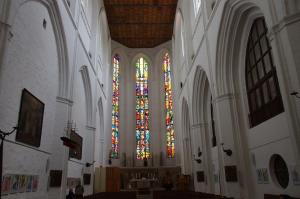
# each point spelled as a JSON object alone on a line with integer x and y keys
{"x": 35, "y": 183}
{"x": 77, "y": 151}
{"x": 262, "y": 176}
{"x": 29, "y": 183}
{"x": 22, "y": 183}
{"x": 6, "y": 182}
{"x": 231, "y": 173}
{"x": 200, "y": 176}
{"x": 30, "y": 120}
{"x": 14, "y": 188}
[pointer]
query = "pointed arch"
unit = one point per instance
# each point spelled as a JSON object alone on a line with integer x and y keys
{"x": 61, "y": 43}
{"x": 88, "y": 95}
{"x": 101, "y": 125}
{"x": 186, "y": 135}
{"x": 236, "y": 22}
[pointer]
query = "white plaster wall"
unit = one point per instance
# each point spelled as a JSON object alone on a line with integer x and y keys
{"x": 30, "y": 62}
{"x": 231, "y": 106}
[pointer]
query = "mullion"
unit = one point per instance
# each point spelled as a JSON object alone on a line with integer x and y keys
{"x": 261, "y": 80}
{"x": 258, "y": 80}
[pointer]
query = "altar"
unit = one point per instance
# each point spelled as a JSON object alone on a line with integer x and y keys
{"x": 146, "y": 178}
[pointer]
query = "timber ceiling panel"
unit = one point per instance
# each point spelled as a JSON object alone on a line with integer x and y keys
{"x": 141, "y": 23}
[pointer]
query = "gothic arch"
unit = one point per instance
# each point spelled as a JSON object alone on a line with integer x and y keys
{"x": 61, "y": 43}
{"x": 201, "y": 96}
{"x": 101, "y": 129}
{"x": 236, "y": 22}
{"x": 138, "y": 55}
{"x": 88, "y": 95}
{"x": 203, "y": 126}
{"x": 237, "y": 19}
{"x": 134, "y": 60}
{"x": 186, "y": 138}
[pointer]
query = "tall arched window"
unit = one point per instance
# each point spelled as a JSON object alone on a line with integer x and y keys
{"x": 170, "y": 136}
{"x": 115, "y": 108}
{"x": 263, "y": 92}
{"x": 142, "y": 110}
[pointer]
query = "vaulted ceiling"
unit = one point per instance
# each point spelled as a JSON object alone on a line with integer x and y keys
{"x": 140, "y": 23}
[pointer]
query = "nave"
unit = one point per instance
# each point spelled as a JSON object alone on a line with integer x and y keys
{"x": 150, "y": 99}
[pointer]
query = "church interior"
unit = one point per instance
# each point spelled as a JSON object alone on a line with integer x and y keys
{"x": 150, "y": 99}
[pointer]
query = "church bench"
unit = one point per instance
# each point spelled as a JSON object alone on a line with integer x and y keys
{"x": 113, "y": 195}
{"x": 184, "y": 195}
{"x": 272, "y": 196}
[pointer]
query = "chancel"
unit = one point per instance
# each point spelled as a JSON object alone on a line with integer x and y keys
{"x": 150, "y": 99}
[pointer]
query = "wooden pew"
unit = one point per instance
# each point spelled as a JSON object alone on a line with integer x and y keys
{"x": 272, "y": 196}
{"x": 184, "y": 195}
{"x": 113, "y": 195}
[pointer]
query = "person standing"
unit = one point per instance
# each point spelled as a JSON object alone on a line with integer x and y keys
{"x": 79, "y": 190}
{"x": 71, "y": 194}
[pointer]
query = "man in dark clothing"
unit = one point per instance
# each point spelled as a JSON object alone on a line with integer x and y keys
{"x": 79, "y": 190}
{"x": 71, "y": 194}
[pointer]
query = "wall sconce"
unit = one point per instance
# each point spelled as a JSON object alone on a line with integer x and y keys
{"x": 89, "y": 164}
{"x": 227, "y": 151}
{"x": 198, "y": 160}
{"x": 294, "y": 93}
{"x": 4, "y": 134}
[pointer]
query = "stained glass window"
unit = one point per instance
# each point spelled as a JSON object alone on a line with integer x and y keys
{"x": 115, "y": 108}
{"x": 169, "y": 108}
{"x": 142, "y": 110}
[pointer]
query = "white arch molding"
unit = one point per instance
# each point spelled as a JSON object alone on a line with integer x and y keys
{"x": 88, "y": 95}
{"x": 101, "y": 129}
{"x": 203, "y": 129}
{"x": 186, "y": 139}
{"x": 60, "y": 38}
{"x": 236, "y": 22}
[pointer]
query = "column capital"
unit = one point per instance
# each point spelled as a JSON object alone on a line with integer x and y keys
{"x": 224, "y": 97}
{"x": 64, "y": 100}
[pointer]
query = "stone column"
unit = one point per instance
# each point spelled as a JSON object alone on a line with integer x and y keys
{"x": 226, "y": 128}
{"x": 60, "y": 153}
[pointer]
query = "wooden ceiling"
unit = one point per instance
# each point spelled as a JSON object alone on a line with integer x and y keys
{"x": 140, "y": 23}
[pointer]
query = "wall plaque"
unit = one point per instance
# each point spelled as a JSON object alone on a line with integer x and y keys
{"x": 200, "y": 176}
{"x": 55, "y": 178}
{"x": 86, "y": 178}
{"x": 231, "y": 173}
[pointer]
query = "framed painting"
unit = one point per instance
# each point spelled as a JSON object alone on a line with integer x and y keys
{"x": 6, "y": 182}
{"x": 35, "y": 183}
{"x": 29, "y": 183}
{"x": 22, "y": 183}
{"x": 30, "y": 119}
{"x": 14, "y": 188}
{"x": 77, "y": 151}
